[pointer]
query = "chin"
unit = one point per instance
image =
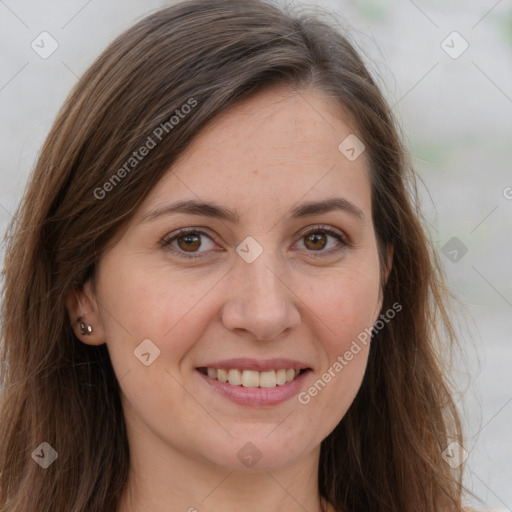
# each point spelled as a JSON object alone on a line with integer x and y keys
{"x": 260, "y": 448}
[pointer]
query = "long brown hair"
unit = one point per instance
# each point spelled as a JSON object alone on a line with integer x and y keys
{"x": 386, "y": 453}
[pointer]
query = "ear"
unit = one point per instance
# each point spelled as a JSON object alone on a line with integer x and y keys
{"x": 83, "y": 312}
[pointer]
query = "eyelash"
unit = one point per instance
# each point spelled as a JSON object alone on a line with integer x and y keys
{"x": 169, "y": 239}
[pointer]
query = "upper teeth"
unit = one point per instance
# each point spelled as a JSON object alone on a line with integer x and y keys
{"x": 252, "y": 378}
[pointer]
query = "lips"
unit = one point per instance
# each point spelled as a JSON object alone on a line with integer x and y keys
{"x": 253, "y": 382}
{"x": 256, "y": 396}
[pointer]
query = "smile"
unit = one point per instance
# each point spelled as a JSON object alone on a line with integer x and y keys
{"x": 252, "y": 378}
{"x": 252, "y": 388}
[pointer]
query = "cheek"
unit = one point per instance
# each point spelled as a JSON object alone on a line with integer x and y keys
{"x": 346, "y": 305}
{"x": 140, "y": 302}
{"x": 346, "y": 311}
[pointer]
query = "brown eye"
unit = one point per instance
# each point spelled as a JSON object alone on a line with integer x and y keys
{"x": 186, "y": 243}
{"x": 315, "y": 241}
{"x": 189, "y": 242}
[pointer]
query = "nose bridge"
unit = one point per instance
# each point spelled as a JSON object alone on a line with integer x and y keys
{"x": 260, "y": 302}
{"x": 263, "y": 281}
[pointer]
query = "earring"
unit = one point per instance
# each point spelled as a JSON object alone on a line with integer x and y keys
{"x": 85, "y": 329}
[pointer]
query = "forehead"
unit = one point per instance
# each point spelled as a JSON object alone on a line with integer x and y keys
{"x": 280, "y": 145}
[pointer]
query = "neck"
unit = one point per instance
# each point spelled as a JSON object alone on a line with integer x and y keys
{"x": 178, "y": 483}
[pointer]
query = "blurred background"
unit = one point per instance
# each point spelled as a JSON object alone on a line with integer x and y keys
{"x": 446, "y": 69}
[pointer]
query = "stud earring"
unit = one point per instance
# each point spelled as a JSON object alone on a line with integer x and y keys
{"x": 85, "y": 329}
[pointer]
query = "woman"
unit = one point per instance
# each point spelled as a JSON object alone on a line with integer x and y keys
{"x": 218, "y": 291}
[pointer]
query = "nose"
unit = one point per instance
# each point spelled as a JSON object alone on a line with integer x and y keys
{"x": 261, "y": 305}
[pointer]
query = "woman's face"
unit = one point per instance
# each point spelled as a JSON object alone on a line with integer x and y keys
{"x": 257, "y": 284}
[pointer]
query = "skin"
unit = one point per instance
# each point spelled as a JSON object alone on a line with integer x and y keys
{"x": 262, "y": 157}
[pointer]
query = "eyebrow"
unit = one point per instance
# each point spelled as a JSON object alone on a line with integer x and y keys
{"x": 214, "y": 210}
